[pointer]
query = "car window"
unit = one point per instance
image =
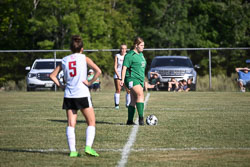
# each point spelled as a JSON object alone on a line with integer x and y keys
{"x": 45, "y": 65}
{"x": 171, "y": 62}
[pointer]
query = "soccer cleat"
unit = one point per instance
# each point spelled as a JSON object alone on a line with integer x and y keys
{"x": 90, "y": 151}
{"x": 117, "y": 107}
{"x": 130, "y": 123}
{"x": 74, "y": 154}
{"x": 141, "y": 121}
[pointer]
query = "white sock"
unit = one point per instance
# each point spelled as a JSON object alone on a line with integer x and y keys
{"x": 117, "y": 98}
{"x": 90, "y": 135}
{"x": 128, "y": 99}
{"x": 71, "y": 138}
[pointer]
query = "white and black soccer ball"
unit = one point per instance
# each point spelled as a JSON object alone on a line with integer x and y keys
{"x": 151, "y": 120}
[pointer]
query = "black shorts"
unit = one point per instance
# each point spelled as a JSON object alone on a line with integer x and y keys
{"x": 76, "y": 103}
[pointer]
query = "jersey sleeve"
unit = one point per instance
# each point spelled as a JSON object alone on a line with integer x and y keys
{"x": 127, "y": 61}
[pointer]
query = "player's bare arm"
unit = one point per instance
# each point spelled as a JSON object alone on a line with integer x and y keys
{"x": 115, "y": 68}
{"x": 53, "y": 76}
{"x": 124, "y": 69}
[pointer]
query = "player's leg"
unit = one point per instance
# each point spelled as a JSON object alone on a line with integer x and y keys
{"x": 169, "y": 86}
{"x": 131, "y": 109}
{"x": 89, "y": 115}
{"x": 117, "y": 93}
{"x": 70, "y": 132}
{"x": 241, "y": 85}
{"x": 146, "y": 86}
{"x": 138, "y": 90}
{"x": 128, "y": 98}
{"x": 176, "y": 85}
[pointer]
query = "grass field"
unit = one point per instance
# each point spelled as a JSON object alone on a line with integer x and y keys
{"x": 195, "y": 129}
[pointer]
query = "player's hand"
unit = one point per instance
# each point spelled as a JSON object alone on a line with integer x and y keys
{"x": 128, "y": 91}
{"x": 121, "y": 83}
{"x": 62, "y": 87}
{"x": 86, "y": 82}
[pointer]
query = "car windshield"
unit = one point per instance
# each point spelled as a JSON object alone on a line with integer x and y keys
{"x": 160, "y": 62}
{"x": 45, "y": 65}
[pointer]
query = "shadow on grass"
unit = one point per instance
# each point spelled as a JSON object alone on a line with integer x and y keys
{"x": 41, "y": 151}
{"x": 81, "y": 121}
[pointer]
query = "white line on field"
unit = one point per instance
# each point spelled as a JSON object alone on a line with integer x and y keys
{"x": 127, "y": 148}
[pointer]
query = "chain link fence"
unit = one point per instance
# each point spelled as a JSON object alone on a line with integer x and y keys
{"x": 212, "y": 61}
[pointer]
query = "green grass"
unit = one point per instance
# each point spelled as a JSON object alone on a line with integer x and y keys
{"x": 195, "y": 129}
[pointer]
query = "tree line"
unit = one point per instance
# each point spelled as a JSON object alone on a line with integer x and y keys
{"x": 106, "y": 24}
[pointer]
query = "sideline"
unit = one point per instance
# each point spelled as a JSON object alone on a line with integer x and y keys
{"x": 127, "y": 148}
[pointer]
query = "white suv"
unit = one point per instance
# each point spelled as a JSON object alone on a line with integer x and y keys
{"x": 38, "y": 76}
{"x": 178, "y": 67}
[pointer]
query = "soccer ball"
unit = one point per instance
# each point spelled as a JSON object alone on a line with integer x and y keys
{"x": 151, "y": 120}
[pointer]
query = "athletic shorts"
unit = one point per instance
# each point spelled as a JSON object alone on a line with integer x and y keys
{"x": 244, "y": 82}
{"x": 116, "y": 77}
{"x": 131, "y": 82}
{"x": 94, "y": 86}
{"x": 76, "y": 103}
{"x": 120, "y": 74}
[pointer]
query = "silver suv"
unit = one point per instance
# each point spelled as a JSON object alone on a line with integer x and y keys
{"x": 38, "y": 76}
{"x": 178, "y": 67}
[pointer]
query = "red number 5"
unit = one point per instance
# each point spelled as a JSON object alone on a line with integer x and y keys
{"x": 72, "y": 66}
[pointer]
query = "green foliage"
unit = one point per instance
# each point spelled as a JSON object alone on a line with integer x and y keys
{"x": 221, "y": 83}
{"x": 105, "y": 24}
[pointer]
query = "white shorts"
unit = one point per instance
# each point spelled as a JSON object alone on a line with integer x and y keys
{"x": 244, "y": 82}
{"x": 116, "y": 77}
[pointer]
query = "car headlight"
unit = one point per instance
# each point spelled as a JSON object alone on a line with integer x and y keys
{"x": 31, "y": 75}
{"x": 190, "y": 71}
{"x": 154, "y": 71}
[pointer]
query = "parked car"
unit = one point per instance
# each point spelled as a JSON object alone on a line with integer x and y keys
{"x": 38, "y": 76}
{"x": 178, "y": 67}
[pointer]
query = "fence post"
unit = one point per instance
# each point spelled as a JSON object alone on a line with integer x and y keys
{"x": 210, "y": 75}
{"x": 55, "y": 66}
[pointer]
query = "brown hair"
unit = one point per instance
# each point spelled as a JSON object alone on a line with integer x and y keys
{"x": 137, "y": 41}
{"x": 122, "y": 45}
{"x": 76, "y": 44}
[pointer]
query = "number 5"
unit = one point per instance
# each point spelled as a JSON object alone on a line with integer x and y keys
{"x": 72, "y": 66}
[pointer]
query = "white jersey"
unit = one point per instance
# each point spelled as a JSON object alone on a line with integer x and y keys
{"x": 120, "y": 59}
{"x": 75, "y": 72}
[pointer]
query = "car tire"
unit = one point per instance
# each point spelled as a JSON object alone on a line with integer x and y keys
{"x": 30, "y": 89}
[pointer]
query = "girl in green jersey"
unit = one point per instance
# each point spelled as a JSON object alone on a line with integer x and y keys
{"x": 133, "y": 74}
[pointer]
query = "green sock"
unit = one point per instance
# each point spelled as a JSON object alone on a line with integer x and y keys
{"x": 131, "y": 113}
{"x": 140, "y": 108}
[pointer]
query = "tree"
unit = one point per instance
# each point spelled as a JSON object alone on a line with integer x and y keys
{"x": 105, "y": 24}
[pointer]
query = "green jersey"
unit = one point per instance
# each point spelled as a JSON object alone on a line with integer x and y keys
{"x": 135, "y": 64}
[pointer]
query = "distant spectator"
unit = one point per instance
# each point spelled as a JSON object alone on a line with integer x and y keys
{"x": 190, "y": 85}
{"x": 244, "y": 77}
{"x": 154, "y": 78}
{"x": 183, "y": 86}
{"x": 154, "y": 81}
{"x": 96, "y": 85}
{"x": 173, "y": 85}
